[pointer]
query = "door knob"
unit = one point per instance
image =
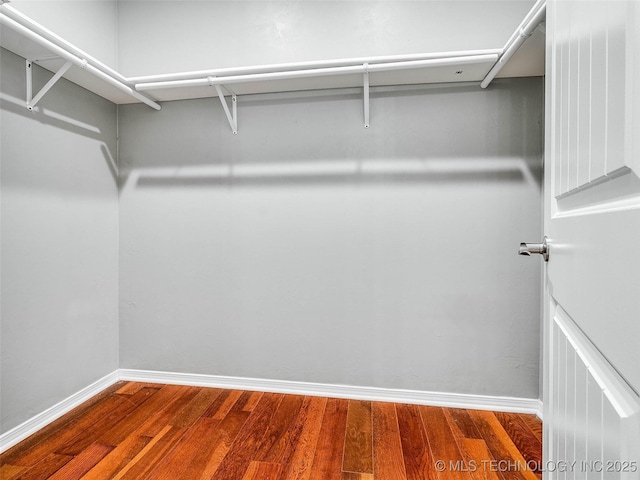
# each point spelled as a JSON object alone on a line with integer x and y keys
{"x": 531, "y": 248}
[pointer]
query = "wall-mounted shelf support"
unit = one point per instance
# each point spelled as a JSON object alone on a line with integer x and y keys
{"x": 365, "y": 82}
{"x": 29, "y": 77}
{"x": 232, "y": 116}
{"x": 267, "y": 74}
{"x": 261, "y": 78}
{"x": 31, "y": 100}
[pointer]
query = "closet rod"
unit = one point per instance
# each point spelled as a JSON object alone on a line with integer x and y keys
{"x": 318, "y": 72}
{"x": 535, "y": 16}
{"x": 284, "y": 67}
{"x": 81, "y": 61}
{"x": 44, "y": 32}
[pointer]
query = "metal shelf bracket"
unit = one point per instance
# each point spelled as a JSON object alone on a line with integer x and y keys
{"x": 31, "y": 100}
{"x": 232, "y": 116}
{"x": 365, "y": 82}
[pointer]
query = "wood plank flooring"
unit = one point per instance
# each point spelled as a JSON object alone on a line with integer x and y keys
{"x": 150, "y": 431}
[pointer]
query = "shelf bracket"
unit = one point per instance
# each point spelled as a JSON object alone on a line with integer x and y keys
{"x": 31, "y": 100}
{"x": 232, "y": 116}
{"x": 365, "y": 82}
{"x": 29, "y": 77}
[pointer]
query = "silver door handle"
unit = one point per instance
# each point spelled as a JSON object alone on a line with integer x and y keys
{"x": 531, "y": 248}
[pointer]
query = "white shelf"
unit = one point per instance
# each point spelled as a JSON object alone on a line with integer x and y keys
{"x": 468, "y": 66}
{"x": 36, "y": 43}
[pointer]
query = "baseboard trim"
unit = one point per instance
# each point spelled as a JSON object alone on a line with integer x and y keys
{"x": 440, "y": 399}
{"x": 35, "y": 423}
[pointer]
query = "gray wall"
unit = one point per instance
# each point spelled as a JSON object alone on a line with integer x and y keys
{"x": 59, "y": 243}
{"x": 309, "y": 248}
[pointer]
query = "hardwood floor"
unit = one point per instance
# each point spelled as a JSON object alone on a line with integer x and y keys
{"x": 150, "y": 431}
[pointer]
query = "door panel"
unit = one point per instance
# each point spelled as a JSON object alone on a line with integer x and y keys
{"x": 595, "y": 415}
{"x": 600, "y": 289}
{"x": 592, "y": 218}
{"x": 593, "y": 81}
{"x": 597, "y": 89}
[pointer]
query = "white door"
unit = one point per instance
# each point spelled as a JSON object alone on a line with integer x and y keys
{"x": 592, "y": 219}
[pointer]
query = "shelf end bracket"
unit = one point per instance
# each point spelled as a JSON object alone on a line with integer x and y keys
{"x": 365, "y": 81}
{"x": 31, "y": 100}
{"x": 232, "y": 116}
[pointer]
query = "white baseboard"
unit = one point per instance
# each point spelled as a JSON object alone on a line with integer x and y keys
{"x": 439, "y": 399}
{"x": 42, "y": 419}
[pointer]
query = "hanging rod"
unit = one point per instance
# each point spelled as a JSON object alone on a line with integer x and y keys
{"x": 318, "y": 72}
{"x": 284, "y": 67}
{"x": 67, "y": 51}
{"x": 535, "y": 16}
{"x": 44, "y": 32}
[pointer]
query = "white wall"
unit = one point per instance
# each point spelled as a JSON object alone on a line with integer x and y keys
{"x": 309, "y": 248}
{"x": 161, "y": 37}
{"x": 58, "y": 244}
